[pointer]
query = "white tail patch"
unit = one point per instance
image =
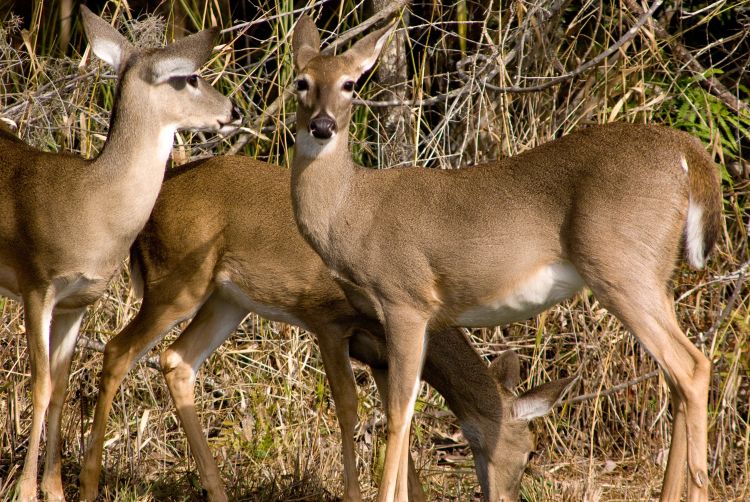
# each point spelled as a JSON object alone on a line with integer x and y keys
{"x": 694, "y": 235}
{"x": 684, "y": 164}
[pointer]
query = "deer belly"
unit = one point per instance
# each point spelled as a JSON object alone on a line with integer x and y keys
{"x": 270, "y": 312}
{"x": 546, "y": 287}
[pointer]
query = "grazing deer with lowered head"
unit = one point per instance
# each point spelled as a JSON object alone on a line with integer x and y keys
{"x": 608, "y": 207}
{"x": 67, "y": 223}
{"x": 221, "y": 243}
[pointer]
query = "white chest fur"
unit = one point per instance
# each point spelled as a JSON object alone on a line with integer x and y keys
{"x": 548, "y": 286}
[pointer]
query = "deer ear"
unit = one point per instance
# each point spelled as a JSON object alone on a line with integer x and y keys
{"x": 507, "y": 370}
{"x": 106, "y": 42}
{"x": 540, "y": 400}
{"x": 365, "y": 52}
{"x": 305, "y": 42}
{"x": 183, "y": 57}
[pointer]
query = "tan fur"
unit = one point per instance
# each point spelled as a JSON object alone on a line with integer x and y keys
{"x": 66, "y": 223}
{"x": 424, "y": 247}
{"x": 222, "y": 239}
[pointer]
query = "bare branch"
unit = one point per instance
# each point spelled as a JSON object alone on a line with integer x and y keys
{"x": 611, "y": 390}
{"x": 534, "y": 88}
{"x": 711, "y": 84}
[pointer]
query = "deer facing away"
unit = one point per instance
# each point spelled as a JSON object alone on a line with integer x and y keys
{"x": 424, "y": 249}
{"x": 222, "y": 242}
{"x": 67, "y": 223}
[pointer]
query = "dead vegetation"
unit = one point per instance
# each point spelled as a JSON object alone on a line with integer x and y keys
{"x": 467, "y": 96}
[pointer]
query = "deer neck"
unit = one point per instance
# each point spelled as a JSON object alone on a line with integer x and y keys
{"x": 131, "y": 165}
{"x": 321, "y": 180}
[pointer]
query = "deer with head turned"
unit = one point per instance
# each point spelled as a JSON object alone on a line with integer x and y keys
{"x": 67, "y": 223}
{"x": 608, "y": 207}
{"x": 221, "y": 243}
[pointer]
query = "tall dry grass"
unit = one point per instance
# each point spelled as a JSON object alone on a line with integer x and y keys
{"x": 263, "y": 396}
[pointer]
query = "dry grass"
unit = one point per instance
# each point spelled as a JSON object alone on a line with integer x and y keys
{"x": 263, "y": 398}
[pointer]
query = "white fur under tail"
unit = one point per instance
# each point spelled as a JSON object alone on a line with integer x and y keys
{"x": 694, "y": 235}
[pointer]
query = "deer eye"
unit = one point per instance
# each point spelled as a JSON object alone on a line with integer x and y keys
{"x": 302, "y": 85}
{"x": 348, "y": 86}
{"x": 192, "y": 80}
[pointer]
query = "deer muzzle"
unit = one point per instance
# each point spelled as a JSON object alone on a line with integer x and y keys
{"x": 322, "y": 127}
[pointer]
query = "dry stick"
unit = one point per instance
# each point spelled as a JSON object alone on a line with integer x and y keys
{"x": 738, "y": 283}
{"x": 611, "y": 390}
{"x": 97, "y": 346}
{"x": 533, "y": 88}
{"x": 679, "y": 51}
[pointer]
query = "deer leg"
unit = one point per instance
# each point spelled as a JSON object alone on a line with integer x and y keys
{"x": 38, "y": 306}
{"x": 675, "y": 471}
{"x": 121, "y": 353}
{"x": 653, "y": 322}
{"x": 415, "y": 492}
{"x": 334, "y": 349}
{"x": 405, "y": 341}
{"x": 63, "y": 334}
{"x": 215, "y": 321}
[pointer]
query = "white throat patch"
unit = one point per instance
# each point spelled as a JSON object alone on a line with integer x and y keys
{"x": 309, "y": 146}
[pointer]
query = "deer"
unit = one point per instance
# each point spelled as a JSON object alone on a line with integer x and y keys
{"x": 609, "y": 207}
{"x": 222, "y": 242}
{"x": 66, "y": 223}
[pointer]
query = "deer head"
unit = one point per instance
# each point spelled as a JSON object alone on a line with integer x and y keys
{"x": 501, "y": 464}
{"x": 164, "y": 79}
{"x": 325, "y": 85}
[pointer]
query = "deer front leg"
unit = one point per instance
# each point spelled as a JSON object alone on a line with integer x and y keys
{"x": 334, "y": 349}
{"x": 415, "y": 492}
{"x": 38, "y": 306}
{"x": 215, "y": 321}
{"x": 405, "y": 342}
{"x": 120, "y": 354}
{"x": 64, "y": 331}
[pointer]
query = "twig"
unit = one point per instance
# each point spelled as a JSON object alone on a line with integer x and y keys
{"x": 533, "y": 88}
{"x": 97, "y": 346}
{"x": 738, "y": 282}
{"x": 683, "y": 55}
{"x": 611, "y": 390}
{"x": 209, "y": 382}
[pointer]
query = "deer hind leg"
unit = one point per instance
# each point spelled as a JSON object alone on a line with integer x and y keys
{"x": 415, "y": 492}
{"x": 405, "y": 341}
{"x": 334, "y": 349}
{"x": 647, "y": 311}
{"x": 63, "y": 334}
{"x": 152, "y": 322}
{"x": 38, "y": 306}
{"x": 214, "y": 322}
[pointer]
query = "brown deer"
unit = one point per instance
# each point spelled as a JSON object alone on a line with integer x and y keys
{"x": 66, "y": 223}
{"x": 608, "y": 207}
{"x": 221, "y": 243}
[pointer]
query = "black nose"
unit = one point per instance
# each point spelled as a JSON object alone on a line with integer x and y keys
{"x": 323, "y": 127}
{"x": 236, "y": 112}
